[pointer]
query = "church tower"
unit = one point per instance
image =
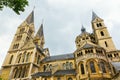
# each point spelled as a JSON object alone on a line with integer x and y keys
{"x": 24, "y": 33}
{"x": 25, "y": 53}
{"x": 102, "y": 35}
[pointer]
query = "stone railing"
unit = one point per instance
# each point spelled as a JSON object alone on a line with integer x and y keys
{"x": 92, "y": 55}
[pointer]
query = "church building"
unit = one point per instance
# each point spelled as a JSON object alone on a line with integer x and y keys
{"x": 95, "y": 57}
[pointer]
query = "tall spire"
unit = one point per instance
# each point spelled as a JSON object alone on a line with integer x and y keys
{"x": 83, "y": 29}
{"x": 94, "y": 15}
{"x": 30, "y": 18}
{"x": 40, "y": 31}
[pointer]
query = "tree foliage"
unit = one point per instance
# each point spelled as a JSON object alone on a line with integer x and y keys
{"x": 16, "y": 5}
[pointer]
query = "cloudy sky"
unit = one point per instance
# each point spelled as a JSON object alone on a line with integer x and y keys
{"x": 62, "y": 22}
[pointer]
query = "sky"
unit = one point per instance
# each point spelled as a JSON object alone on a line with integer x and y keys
{"x": 62, "y": 20}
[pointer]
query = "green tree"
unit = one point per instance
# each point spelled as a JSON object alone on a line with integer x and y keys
{"x": 16, "y": 5}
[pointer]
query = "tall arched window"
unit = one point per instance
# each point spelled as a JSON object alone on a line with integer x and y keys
{"x": 71, "y": 65}
{"x": 69, "y": 78}
{"x": 15, "y": 73}
{"x": 102, "y": 33}
{"x": 103, "y": 67}
{"x": 24, "y": 55}
{"x": 19, "y": 72}
{"x": 23, "y": 72}
{"x": 44, "y": 67}
{"x": 38, "y": 60}
{"x": 100, "y": 24}
{"x": 67, "y": 65}
{"x": 64, "y": 66}
{"x": 50, "y": 67}
{"x": 27, "y": 57}
{"x": 11, "y": 58}
{"x": 82, "y": 69}
{"x": 92, "y": 67}
{"x": 106, "y": 44}
{"x": 19, "y": 58}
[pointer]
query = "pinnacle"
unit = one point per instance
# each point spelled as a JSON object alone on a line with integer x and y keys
{"x": 94, "y": 15}
{"x": 40, "y": 31}
{"x": 30, "y": 18}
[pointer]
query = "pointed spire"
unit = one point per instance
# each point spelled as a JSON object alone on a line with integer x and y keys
{"x": 94, "y": 15}
{"x": 40, "y": 31}
{"x": 30, "y": 18}
{"x": 83, "y": 29}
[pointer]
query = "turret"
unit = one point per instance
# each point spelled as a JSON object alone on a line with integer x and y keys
{"x": 101, "y": 33}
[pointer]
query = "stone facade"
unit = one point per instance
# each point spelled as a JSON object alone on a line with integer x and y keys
{"x": 93, "y": 59}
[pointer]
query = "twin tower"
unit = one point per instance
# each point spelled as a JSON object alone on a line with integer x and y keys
{"x": 27, "y": 57}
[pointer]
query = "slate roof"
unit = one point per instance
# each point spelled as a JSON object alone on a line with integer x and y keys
{"x": 58, "y": 57}
{"x": 40, "y": 31}
{"x": 65, "y": 72}
{"x": 89, "y": 46}
{"x": 44, "y": 74}
{"x": 57, "y": 73}
{"x": 116, "y": 65}
{"x": 94, "y": 15}
{"x": 30, "y": 18}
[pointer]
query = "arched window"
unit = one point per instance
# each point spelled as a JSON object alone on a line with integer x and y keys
{"x": 102, "y": 33}
{"x": 15, "y": 73}
{"x": 44, "y": 67}
{"x": 50, "y": 66}
{"x": 64, "y": 66}
{"x": 69, "y": 78}
{"x": 92, "y": 67}
{"x": 67, "y": 65}
{"x": 103, "y": 67}
{"x": 27, "y": 57}
{"x": 24, "y": 55}
{"x": 82, "y": 69}
{"x": 97, "y": 25}
{"x": 100, "y": 24}
{"x": 106, "y": 44}
{"x": 71, "y": 65}
{"x": 23, "y": 72}
{"x": 38, "y": 60}
{"x": 19, "y": 72}
{"x": 19, "y": 58}
{"x": 11, "y": 59}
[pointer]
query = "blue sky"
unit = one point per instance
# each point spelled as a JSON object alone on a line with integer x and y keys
{"x": 62, "y": 22}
